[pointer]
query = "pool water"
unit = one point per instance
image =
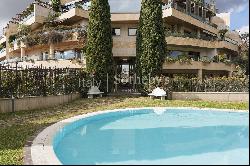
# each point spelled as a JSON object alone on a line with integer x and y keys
{"x": 156, "y": 136}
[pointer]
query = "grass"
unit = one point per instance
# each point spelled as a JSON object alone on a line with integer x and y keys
{"x": 16, "y": 128}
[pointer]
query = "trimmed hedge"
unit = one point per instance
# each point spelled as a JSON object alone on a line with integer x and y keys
{"x": 219, "y": 84}
{"x": 41, "y": 82}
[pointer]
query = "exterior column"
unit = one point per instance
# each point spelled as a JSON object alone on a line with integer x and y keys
{"x": 200, "y": 74}
{"x": 51, "y": 51}
{"x": 22, "y": 52}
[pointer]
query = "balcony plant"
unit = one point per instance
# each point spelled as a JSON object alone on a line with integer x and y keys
{"x": 56, "y": 5}
{"x": 206, "y": 60}
{"x": 184, "y": 58}
{"x": 54, "y": 37}
{"x": 170, "y": 59}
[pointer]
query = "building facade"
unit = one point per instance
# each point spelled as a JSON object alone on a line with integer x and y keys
{"x": 199, "y": 41}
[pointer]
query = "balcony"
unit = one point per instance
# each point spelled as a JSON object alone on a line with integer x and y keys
{"x": 202, "y": 42}
{"x": 65, "y": 36}
{"x": 34, "y": 15}
{"x": 175, "y": 10}
{"x": 197, "y": 65}
{"x": 75, "y": 11}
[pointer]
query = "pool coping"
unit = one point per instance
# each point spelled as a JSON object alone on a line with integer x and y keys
{"x": 39, "y": 148}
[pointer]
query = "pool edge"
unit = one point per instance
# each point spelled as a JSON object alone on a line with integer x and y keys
{"x": 41, "y": 152}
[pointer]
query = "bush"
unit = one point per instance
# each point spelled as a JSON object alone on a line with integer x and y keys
{"x": 182, "y": 84}
{"x": 41, "y": 82}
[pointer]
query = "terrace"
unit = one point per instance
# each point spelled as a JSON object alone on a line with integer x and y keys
{"x": 202, "y": 40}
{"x": 200, "y": 11}
{"x": 46, "y": 37}
{"x": 33, "y": 15}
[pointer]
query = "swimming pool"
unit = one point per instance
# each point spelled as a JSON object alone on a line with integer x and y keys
{"x": 147, "y": 136}
{"x": 156, "y": 136}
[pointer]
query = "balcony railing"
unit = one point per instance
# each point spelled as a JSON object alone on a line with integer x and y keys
{"x": 231, "y": 41}
{"x": 202, "y": 37}
{"x": 189, "y": 59}
{"x": 192, "y": 35}
{"x": 183, "y": 10}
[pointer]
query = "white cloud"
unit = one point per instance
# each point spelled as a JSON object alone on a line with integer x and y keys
{"x": 244, "y": 29}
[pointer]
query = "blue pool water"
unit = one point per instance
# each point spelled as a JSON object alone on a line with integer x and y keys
{"x": 146, "y": 136}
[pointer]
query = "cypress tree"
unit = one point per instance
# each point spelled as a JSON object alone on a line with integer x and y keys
{"x": 99, "y": 57}
{"x": 151, "y": 43}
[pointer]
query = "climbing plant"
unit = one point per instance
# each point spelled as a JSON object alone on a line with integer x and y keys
{"x": 56, "y": 5}
{"x": 99, "y": 56}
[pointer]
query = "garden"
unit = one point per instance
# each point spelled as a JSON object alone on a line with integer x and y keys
{"x": 17, "y": 128}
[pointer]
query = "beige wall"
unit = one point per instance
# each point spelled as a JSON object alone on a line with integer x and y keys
{"x": 212, "y": 96}
{"x": 124, "y": 45}
{"x": 31, "y": 103}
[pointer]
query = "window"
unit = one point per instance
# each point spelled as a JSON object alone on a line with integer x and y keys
{"x": 116, "y": 31}
{"x": 132, "y": 31}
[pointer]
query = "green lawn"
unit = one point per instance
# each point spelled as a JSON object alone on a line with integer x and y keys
{"x": 16, "y": 128}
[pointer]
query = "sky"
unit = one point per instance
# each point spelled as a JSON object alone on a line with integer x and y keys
{"x": 239, "y": 10}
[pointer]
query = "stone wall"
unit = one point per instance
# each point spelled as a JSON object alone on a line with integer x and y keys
{"x": 31, "y": 103}
{"x": 212, "y": 96}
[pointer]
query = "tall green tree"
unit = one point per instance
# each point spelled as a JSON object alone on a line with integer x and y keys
{"x": 99, "y": 57}
{"x": 150, "y": 43}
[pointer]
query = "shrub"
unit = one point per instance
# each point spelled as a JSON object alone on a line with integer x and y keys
{"x": 217, "y": 84}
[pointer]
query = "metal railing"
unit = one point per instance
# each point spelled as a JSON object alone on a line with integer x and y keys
{"x": 16, "y": 82}
{"x": 183, "y": 10}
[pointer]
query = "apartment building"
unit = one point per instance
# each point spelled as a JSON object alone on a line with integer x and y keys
{"x": 193, "y": 32}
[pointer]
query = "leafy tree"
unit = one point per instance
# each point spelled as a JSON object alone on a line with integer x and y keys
{"x": 99, "y": 56}
{"x": 151, "y": 43}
